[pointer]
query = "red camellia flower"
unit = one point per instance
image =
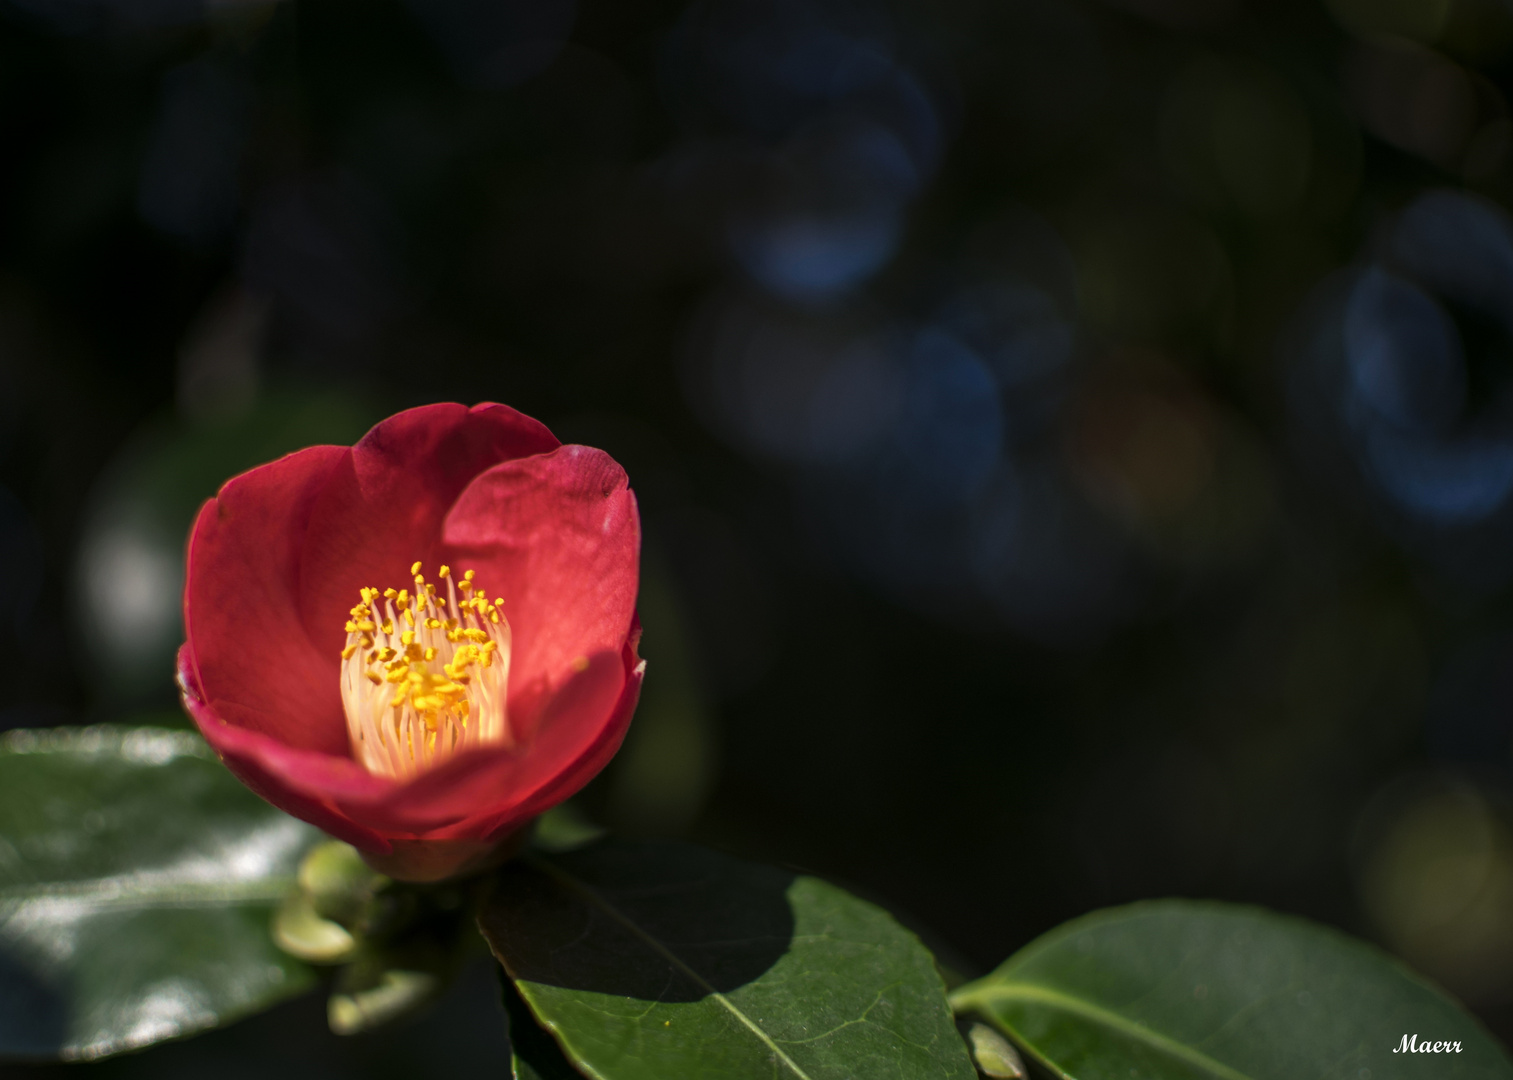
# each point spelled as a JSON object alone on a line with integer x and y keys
{"x": 420, "y": 642}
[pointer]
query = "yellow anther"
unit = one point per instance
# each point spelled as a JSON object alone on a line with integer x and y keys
{"x": 440, "y": 697}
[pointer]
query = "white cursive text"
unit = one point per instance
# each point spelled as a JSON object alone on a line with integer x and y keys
{"x": 1411, "y": 1045}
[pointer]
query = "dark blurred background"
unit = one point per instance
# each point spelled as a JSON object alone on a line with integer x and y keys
{"x": 1074, "y": 439}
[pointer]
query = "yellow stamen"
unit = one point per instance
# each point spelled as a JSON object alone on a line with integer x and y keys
{"x": 436, "y": 689}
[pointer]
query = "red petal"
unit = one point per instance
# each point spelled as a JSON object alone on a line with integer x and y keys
{"x": 383, "y": 510}
{"x": 251, "y": 660}
{"x": 558, "y": 537}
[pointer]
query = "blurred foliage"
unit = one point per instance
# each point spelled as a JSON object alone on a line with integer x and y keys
{"x": 1074, "y": 437}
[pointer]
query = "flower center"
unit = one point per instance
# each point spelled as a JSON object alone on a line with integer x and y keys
{"x": 424, "y": 677}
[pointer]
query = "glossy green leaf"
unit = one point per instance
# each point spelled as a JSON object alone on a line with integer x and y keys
{"x": 652, "y": 961}
{"x": 138, "y": 879}
{"x": 1174, "y": 990}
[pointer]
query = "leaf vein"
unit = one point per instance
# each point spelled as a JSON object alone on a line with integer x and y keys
{"x": 1028, "y": 992}
{"x": 563, "y": 877}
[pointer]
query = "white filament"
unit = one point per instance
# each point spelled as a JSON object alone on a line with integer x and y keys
{"x": 398, "y": 727}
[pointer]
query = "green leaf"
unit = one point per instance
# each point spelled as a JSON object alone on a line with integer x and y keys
{"x": 651, "y": 961}
{"x": 1174, "y": 990}
{"x": 137, "y": 883}
{"x": 534, "y": 1055}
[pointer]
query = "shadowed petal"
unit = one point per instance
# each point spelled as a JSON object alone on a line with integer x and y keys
{"x": 557, "y": 536}
{"x": 295, "y": 781}
{"x": 252, "y": 662}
